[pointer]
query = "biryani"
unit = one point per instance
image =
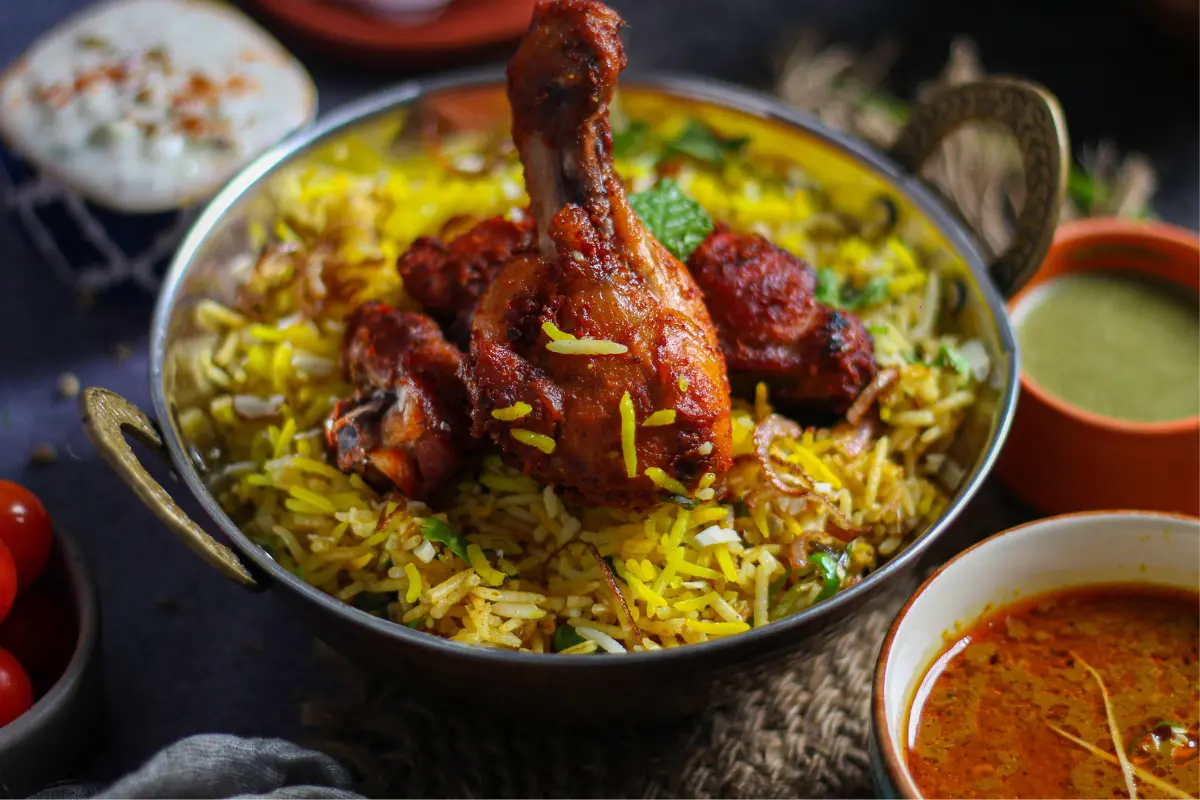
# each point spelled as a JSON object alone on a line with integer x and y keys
{"x": 808, "y": 508}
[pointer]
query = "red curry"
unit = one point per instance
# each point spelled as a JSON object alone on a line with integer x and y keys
{"x": 1011, "y": 707}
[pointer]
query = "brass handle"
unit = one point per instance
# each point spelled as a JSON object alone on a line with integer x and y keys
{"x": 107, "y": 417}
{"x": 1033, "y": 116}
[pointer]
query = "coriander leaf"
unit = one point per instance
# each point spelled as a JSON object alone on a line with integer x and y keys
{"x": 632, "y": 138}
{"x": 698, "y": 141}
{"x": 415, "y": 624}
{"x": 565, "y": 636}
{"x": 950, "y": 358}
{"x": 434, "y": 530}
{"x": 874, "y": 293}
{"x": 675, "y": 219}
{"x": 829, "y": 287}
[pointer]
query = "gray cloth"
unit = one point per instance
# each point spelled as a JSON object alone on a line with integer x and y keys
{"x": 218, "y": 765}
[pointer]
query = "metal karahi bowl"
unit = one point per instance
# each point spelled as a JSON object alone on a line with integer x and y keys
{"x": 668, "y": 681}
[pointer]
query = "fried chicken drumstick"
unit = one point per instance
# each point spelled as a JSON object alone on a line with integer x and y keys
{"x": 406, "y": 424}
{"x": 772, "y": 328}
{"x": 600, "y": 278}
{"x": 447, "y": 279}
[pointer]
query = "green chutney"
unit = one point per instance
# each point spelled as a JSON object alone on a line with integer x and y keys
{"x": 1115, "y": 343}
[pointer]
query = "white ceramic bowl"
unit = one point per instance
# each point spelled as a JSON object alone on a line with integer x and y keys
{"x": 1054, "y": 553}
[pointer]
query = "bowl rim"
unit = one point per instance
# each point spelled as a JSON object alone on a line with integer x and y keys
{"x": 769, "y": 637}
{"x": 886, "y": 747}
{"x": 1095, "y": 230}
{"x": 58, "y": 699}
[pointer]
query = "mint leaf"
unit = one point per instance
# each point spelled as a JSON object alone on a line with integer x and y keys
{"x": 675, "y": 219}
{"x": 949, "y": 358}
{"x": 829, "y": 287}
{"x": 832, "y": 292}
{"x": 698, "y": 141}
{"x": 874, "y": 293}
{"x": 434, "y": 530}
{"x": 631, "y": 139}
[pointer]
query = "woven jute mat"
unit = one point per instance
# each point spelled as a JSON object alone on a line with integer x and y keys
{"x": 803, "y": 730}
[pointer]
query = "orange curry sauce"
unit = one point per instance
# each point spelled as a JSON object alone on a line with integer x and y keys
{"x": 980, "y": 725}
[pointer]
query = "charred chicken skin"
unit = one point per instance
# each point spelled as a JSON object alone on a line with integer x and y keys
{"x": 772, "y": 328}
{"x": 405, "y": 425}
{"x": 447, "y": 279}
{"x": 599, "y": 277}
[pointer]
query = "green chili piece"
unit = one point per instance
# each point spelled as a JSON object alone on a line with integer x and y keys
{"x": 827, "y": 569}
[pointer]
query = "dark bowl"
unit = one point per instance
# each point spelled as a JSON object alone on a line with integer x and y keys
{"x": 635, "y": 685}
{"x": 46, "y": 742}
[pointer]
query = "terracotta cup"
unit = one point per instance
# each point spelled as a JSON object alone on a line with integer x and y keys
{"x": 1060, "y": 458}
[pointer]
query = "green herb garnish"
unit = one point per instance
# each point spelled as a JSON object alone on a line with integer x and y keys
{"x": 1084, "y": 190}
{"x": 675, "y": 219}
{"x": 878, "y": 330}
{"x": 829, "y": 287}
{"x": 831, "y": 291}
{"x": 701, "y": 143}
{"x": 949, "y": 358}
{"x": 630, "y": 139}
{"x": 827, "y": 568}
{"x": 874, "y": 293}
{"x": 565, "y": 636}
{"x": 415, "y": 624}
{"x": 434, "y": 530}
{"x": 373, "y": 602}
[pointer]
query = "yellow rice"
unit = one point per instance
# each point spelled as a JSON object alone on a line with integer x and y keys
{"x": 260, "y": 379}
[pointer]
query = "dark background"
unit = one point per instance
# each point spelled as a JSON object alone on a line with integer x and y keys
{"x": 188, "y": 652}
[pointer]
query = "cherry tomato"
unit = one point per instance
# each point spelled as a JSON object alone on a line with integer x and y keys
{"x": 8, "y": 581}
{"x": 25, "y": 528}
{"x": 16, "y": 692}
{"x": 40, "y": 632}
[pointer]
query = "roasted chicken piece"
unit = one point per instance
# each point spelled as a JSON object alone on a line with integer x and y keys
{"x": 600, "y": 278}
{"x": 772, "y": 328}
{"x": 407, "y": 423}
{"x": 447, "y": 278}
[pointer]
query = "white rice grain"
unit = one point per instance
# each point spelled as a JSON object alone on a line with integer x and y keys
{"x": 603, "y": 640}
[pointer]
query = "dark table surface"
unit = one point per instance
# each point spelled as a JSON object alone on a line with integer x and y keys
{"x": 187, "y": 651}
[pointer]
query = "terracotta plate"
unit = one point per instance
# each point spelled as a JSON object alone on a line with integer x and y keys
{"x": 466, "y": 27}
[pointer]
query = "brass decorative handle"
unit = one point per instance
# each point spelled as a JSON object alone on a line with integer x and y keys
{"x": 1033, "y": 116}
{"x": 107, "y": 417}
